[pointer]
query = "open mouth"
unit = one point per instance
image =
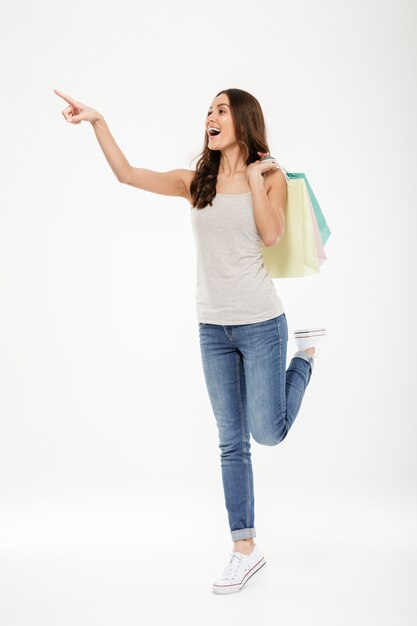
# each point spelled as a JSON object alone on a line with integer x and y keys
{"x": 213, "y": 132}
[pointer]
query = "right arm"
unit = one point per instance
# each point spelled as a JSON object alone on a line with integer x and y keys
{"x": 172, "y": 183}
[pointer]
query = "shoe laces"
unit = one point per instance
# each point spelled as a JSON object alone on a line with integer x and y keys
{"x": 234, "y": 563}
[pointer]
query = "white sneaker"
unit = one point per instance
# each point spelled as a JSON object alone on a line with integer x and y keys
{"x": 241, "y": 567}
{"x": 309, "y": 338}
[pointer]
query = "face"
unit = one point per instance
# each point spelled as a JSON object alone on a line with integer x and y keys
{"x": 220, "y": 116}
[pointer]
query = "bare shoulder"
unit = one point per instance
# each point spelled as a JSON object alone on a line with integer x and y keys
{"x": 274, "y": 179}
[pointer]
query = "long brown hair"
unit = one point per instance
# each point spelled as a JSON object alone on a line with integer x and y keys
{"x": 250, "y": 134}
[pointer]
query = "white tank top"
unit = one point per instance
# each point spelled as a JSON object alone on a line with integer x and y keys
{"x": 233, "y": 286}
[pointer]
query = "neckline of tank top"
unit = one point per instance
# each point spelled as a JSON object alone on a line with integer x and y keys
{"x": 232, "y": 195}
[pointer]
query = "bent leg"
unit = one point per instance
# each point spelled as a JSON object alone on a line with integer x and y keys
{"x": 274, "y": 394}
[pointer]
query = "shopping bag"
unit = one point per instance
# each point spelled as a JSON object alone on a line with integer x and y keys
{"x": 300, "y": 251}
{"x": 321, "y": 254}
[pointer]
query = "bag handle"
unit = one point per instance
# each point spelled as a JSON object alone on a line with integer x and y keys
{"x": 283, "y": 170}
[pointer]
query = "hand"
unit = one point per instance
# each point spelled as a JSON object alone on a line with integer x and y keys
{"x": 260, "y": 167}
{"x": 77, "y": 112}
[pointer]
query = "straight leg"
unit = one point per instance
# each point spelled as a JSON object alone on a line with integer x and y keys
{"x": 225, "y": 380}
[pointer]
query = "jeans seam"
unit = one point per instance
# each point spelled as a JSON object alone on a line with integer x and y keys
{"x": 282, "y": 399}
{"x": 242, "y": 430}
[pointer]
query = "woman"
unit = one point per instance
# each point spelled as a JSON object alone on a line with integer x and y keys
{"x": 237, "y": 195}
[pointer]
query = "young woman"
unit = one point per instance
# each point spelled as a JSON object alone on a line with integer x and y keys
{"x": 237, "y": 196}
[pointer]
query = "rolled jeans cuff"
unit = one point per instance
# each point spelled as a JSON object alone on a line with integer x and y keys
{"x": 303, "y": 355}
{"x": 243, "y": 533}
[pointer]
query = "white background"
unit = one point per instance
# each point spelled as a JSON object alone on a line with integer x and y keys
{"x": 112, "y": 508}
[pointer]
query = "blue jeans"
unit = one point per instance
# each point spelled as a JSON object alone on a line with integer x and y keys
{"x": 250, "y": 392}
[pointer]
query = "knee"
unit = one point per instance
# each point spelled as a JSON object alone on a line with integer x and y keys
{"x": 269, "y": 439}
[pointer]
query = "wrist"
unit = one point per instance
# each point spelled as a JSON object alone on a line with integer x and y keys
{"x": 97, "y": 118}
{"x": 255, "y": 180}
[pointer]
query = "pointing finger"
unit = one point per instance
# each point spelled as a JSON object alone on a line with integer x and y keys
{"x": 66, "y": 97}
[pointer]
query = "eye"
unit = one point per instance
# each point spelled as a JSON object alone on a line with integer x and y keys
{"x": 220, "y": 111}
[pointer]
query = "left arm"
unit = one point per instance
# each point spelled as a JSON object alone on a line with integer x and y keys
{"x": 269, "y": 199}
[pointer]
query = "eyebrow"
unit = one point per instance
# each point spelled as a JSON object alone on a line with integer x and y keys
{"x": 221, "y": 105}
